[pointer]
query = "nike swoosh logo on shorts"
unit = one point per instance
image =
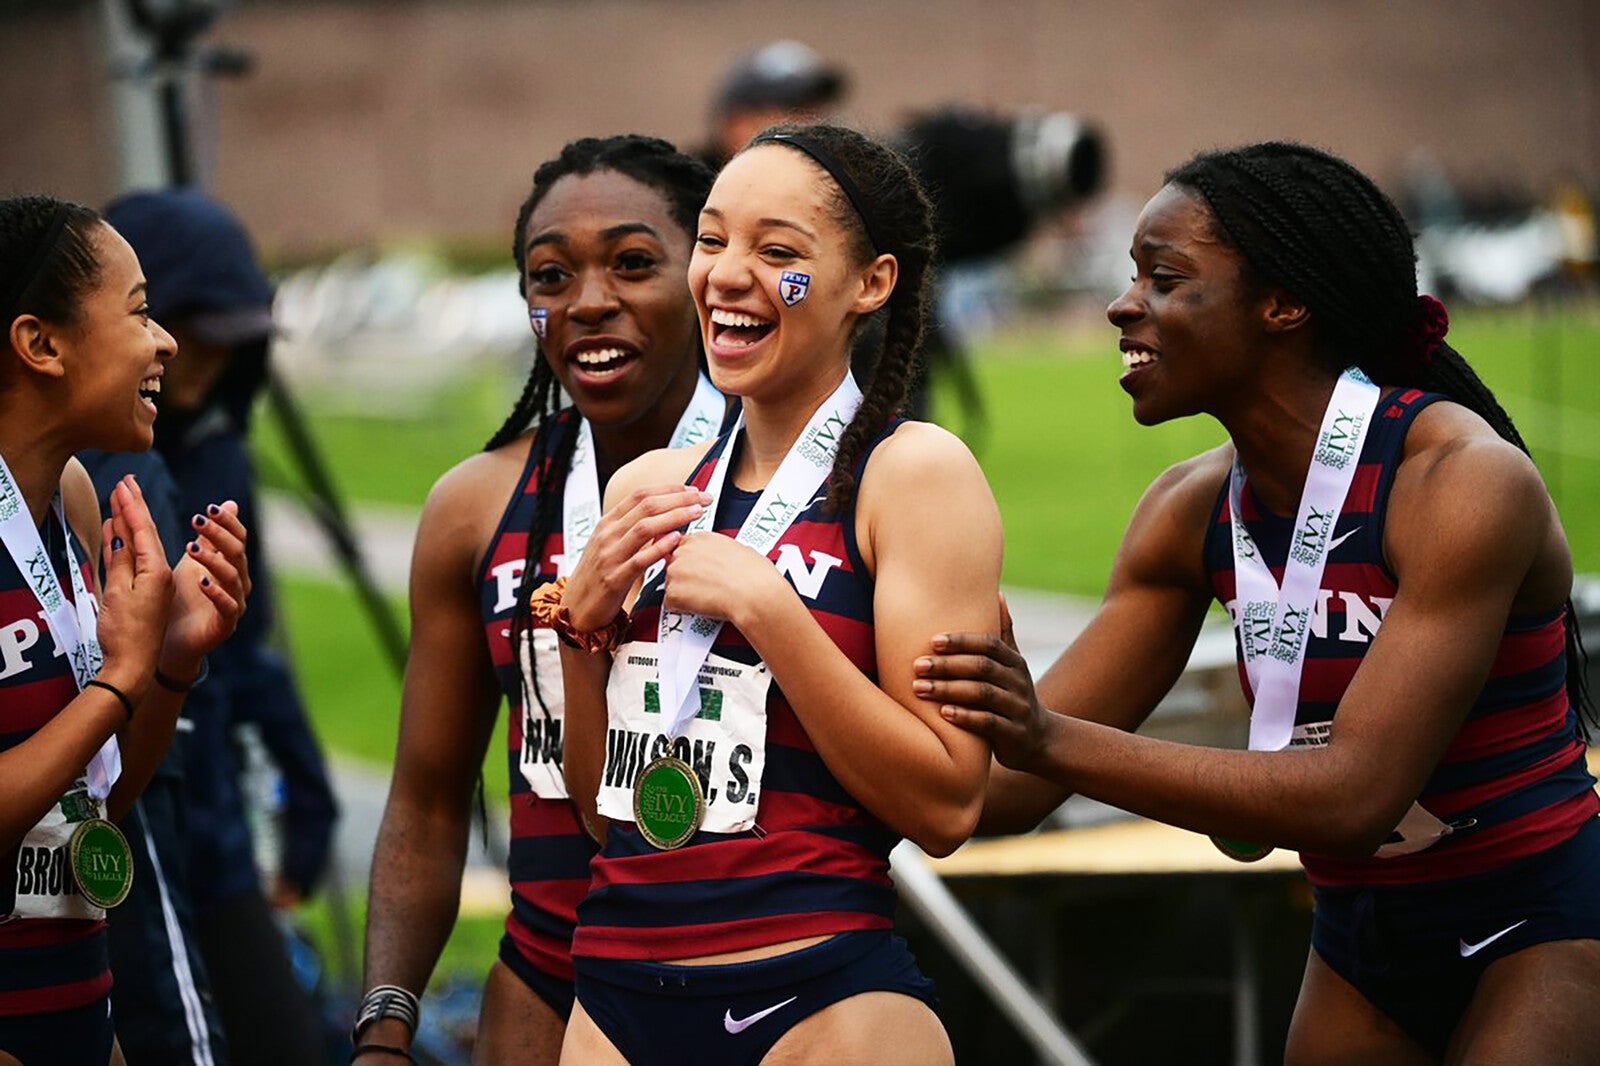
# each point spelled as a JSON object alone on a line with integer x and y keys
{"x": 742, "y": 1024}
{"x": 1468, "y": 950}
{"x": 1336, "y": 541}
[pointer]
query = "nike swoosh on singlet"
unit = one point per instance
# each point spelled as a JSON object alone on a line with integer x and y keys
{"x": 1336, "y": 541}
{"x": 742, "y": 1024}
{"x": 1468, "y": 950}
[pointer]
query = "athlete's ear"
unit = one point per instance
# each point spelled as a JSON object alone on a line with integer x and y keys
{"x": 877, "y": 282}
{"x": 37, "y": 345}
{"x": 1281, "y": 312}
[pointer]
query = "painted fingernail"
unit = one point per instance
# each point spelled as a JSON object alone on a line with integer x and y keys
{"x": 116, "y": 544}
{"x": 194, "y": 547}
{"x": 199, "y": 520}
{"x": 214, "y": 509}
{"x": 205, "y": 582}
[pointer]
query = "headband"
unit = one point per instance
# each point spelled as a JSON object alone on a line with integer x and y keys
{"x": 826, "y": 162}
{"x": 41, "y": 252}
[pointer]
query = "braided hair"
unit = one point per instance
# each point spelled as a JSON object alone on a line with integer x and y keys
{"x": 1311, "y": 223}
{"x": 683, "y": 182}
{"x": 47, "y": 282}
{"x": 903, "y": 223}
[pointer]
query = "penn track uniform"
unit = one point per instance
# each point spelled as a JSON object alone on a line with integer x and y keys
{"x": 816, "y": 862}
{"x": 1518, "y": 861}
{"x": 550, "y": 851}
{"x": 54, "y": 975}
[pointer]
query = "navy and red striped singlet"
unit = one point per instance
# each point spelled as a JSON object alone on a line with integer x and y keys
{"x": 1513, "y": 778}
{"x": 550, "y": 852}
{"x": 817, "y": 862}
{"x": 46, "y": 964}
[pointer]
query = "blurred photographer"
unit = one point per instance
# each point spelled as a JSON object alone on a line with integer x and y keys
{"x": 993, "y": 179}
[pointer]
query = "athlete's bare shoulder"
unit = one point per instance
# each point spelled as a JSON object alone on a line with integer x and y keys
{"x": 1165, "y": 540}
{"x": 465, "y": 504}
{"x": 662, "y": 466}
{"x": 81, "y": 505}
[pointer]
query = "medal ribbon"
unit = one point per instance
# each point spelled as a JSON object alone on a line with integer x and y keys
{"x": 685, "y": 640}
{"x": 580, "y": 501}
{"x": 1274, "y": 657}
{"x": 72, "y": 624}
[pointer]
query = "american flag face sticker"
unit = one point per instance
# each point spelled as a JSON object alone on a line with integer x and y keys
{"x": 793, "y": 286}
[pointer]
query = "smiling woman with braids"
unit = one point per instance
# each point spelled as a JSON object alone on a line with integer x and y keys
{"x": 752, "y": 736}
{"x": 1399, "y": 582}
{"x": 602, "y": 247}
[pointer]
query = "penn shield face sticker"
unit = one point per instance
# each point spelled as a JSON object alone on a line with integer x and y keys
{"x": 793, "y": 286}
{"x": 538, "y": 317}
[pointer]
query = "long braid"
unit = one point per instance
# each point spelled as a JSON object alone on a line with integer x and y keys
{"x": 903, "y": 221}
{"x": 1321, "y": 229}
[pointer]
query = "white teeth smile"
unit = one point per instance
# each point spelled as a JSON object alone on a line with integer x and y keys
{"x": 599, "y": 358}
{"x": 1137, "y": 357}
{"x": 736, "y": 318}
{"x": 151, "y": 385}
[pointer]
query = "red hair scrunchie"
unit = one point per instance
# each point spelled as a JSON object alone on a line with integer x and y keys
{"x": 1428, "y": 332}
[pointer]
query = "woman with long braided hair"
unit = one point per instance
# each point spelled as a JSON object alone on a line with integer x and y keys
{"x": 1399, "y": 582}
{"x": 748, "y": 733}
{"x": 602, "y": 247}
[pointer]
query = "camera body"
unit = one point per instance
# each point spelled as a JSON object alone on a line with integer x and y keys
{"x": 992, "y": 178}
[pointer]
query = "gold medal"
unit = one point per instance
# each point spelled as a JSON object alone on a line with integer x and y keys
{"x": 668, "y": 803}
{"x": 102, "y": 863}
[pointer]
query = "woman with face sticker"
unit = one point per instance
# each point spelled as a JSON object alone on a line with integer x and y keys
{"x": 602, "y": 247}
{"x": 1399, "y": 583}
{"x": 89, "y": 693}
{"x": 748, "y": 731}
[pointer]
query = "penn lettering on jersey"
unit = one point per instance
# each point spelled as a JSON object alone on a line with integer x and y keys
{"x": 720, "y": 892}
{"x": 57, "y": 964}
{"x": 1515, "y": 770}
{"x": 550, "y": 852}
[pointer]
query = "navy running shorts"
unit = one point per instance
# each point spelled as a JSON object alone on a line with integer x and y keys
{"x": 1416, "y": 951}
{"x": 79, "y": 1036}
{"x": 659, "y": 1014}
{"x": 553, "y": 990}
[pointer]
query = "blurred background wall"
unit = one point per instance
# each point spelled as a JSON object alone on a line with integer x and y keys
{"x": 376, "y": 120}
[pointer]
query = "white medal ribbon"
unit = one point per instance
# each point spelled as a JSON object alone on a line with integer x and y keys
{"x": 72, "y": 624}
{"x": 540, "y": 760}
{"x": 685, "y": 640}
{"x": 1274, "y": 624}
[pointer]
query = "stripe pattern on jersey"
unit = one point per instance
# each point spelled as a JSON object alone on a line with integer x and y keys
{"x": 1515, "y": 770}
{"x": 817, "y": 862}
{"x": 45, "y": 964}
{"x": 550, "y": 852}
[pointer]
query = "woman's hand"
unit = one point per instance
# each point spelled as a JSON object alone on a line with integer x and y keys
{"x": 642, "y": 529}
{"x": 983, "y": 685}
{"x": 212, "y": 583}
{"x": 716, "y": 576}
{"x": 136, "y": 597}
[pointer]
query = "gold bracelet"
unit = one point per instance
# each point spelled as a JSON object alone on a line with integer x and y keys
{"x": 547, "y": 612}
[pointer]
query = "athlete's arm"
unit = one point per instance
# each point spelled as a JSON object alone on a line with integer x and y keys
{"x": 1118, "y": 668}
{"x": 448, "y": 707}
{"x": 646, "y": 503}
{"x": 929, "y": 531}
{"x": 210, "y": 586}
{"x": 1468, "y": 520}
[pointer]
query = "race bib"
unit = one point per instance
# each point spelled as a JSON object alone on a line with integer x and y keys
{"x": 540, "y": 759}
{"x": 40, "y": 878}
{"x": 725, "y": 742}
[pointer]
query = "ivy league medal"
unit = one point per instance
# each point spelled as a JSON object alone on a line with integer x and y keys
{"x": 1241, "y": 850}
{"x": 668, "y": 803}
{"x": 102, "y": 864}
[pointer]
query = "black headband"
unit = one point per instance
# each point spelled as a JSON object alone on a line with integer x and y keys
{"x": 825, "y": 161}
{"x": 41, "y": 252}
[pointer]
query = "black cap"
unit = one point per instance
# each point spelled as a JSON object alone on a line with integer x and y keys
{"x": 781, "y": 74}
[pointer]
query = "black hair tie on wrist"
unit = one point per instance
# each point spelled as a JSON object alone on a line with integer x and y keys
{"x": 122, "y": 697}
{"x": 172, "y": 684}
